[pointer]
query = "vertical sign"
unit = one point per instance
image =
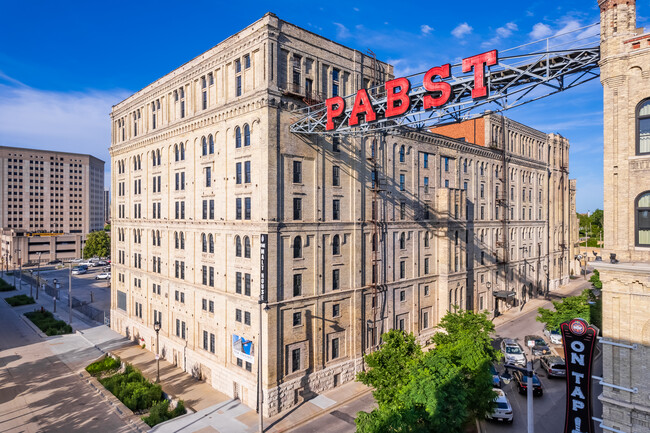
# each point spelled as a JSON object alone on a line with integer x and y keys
{"x": 579, "y": 341}
{"x": 264, "y": 257}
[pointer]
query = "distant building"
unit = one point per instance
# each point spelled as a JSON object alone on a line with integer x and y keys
{"x": 44, "y": 195}
{"x": 204, "y": 165}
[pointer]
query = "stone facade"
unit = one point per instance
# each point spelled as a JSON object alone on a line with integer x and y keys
{"x": 204, "y": 163}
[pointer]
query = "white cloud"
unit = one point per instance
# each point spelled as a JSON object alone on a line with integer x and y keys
{"x": 506, "y": 31}
{"x": 426, "y": 29}
{"x": 355, "y": 9}
{"x": 342, "y": 32}
{"x": 462, "y": 30}
{"x": 540, "y": 31}
{"x": 69, "y": 122}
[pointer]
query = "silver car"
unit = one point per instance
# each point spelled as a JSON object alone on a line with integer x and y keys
{"x": 503, "y": 409}
{"x": 554, "y": 336}
{"x": 512, "y": 352}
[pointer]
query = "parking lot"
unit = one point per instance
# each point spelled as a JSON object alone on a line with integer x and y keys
{"x": 85, "y": 287}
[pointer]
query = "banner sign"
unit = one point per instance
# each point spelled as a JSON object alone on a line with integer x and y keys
{"x": 264, "y": 258}
{"x": 579, "y": 339}
{"x": 242, "y": 348}
{"x": 399, "y": 98}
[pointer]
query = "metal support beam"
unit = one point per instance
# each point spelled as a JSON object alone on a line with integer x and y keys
{"x": 611, "y": 343}
{"x": 604, "y": 427}
{"x": 610, "y": 385}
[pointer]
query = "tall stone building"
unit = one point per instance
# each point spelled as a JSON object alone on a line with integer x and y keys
{"x": 625, "y": 76}
{"x": 50, "y": 201}
{"x": 204, "y": 164}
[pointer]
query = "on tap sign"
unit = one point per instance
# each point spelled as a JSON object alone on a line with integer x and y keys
{"x": 398, "y": 99}
{"x": 579, "y": 340}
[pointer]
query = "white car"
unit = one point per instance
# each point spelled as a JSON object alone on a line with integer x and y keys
{"x": 512, "y": 352}
{"x": 78, "y": 271}
{"x": 503, "y": 410}
{"x": 103, "y": 276}
{"x": 554, "y": 336}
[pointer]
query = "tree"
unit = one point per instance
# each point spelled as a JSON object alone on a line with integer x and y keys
{"x": 98, "y": 244}
{"x": 107, "y": 227}
{"x": 566, "y": 309}
{"x": 435, "y": 391}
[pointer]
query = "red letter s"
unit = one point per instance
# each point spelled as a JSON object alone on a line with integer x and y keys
{"x": 442, "y": 87}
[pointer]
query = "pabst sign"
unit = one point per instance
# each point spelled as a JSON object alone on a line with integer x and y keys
{"x": 579, "y": 340}
{"x": 398, "y": 100}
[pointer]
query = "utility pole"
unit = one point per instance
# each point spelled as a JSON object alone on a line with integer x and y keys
{"x": 70, "y": 292}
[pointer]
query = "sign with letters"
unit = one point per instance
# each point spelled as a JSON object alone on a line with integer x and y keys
{"x": 579, "y": 339}
{"x": 264, "y": 258}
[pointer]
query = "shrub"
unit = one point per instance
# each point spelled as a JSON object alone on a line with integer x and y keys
{"x": 48, "y": 324}
{"x": 103, "y": 365}
{"x": 19, "y": 300}
{"x": 160, "y": 412}
{"x": 133, "y": 389}
{"x": 6, "y": 287}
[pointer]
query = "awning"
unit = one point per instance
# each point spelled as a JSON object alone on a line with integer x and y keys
{"x": 505, "y": 294}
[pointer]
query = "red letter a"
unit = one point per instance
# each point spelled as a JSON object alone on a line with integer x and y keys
{"x": 362, "y": 105}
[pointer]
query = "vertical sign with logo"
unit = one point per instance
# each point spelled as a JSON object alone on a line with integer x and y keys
{"x": 579, "y": 339}
{"x": 264, "y": 257}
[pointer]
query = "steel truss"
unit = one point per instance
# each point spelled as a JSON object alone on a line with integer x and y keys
{"x": 513, "y": 81}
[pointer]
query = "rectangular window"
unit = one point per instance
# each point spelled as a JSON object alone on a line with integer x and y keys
{"x": 211, "y": 306}
{"x": 247, "y": 61}
{"x": 247, "y": 318}
{"x": 402, "y": 296}
{"x": 446, "y": 164}
{"x": 335, "y": 348}
{"x": 336, "y": 176}
{"x": 212, "y": 343}
{"x": 204, "y": 213}
{"x": 247, "y": 284}
{"x": 208, "y": 177}
{"x": 247, "y": 172}
{"x": 238, "y": 209}
{"x": 426, "y": 185}
{"x": 402, "y": 181}
{"x": 247, "y": 208}
{"x": 297, "y": 208}
{"x": 204, "y": 274}
{"x": 336, "y": 210}
{"x": 238, "y": 315}
{"x": 336, "y": 141}
{"x": 446, "y": 183}
{"x": 238, "y": 178}
{"x": 212, "y": 209}
{"x": 426, "y": 160}
{"x": 336, "y": 310}
{"x": 297, "y": 319}
{"x": 402, "y": 269}
{"x": 297, "y": 172}
{"x": 238, "y": 85}
{"x": 205, "y": 340}
{"x": 402, "y": 210}
{"x": 426, "y": 266}
{"x": 335, "y": 279}
{"x": 425, "y": 319}
{"x": 238, "y": 282}
{"x": 211, "y": 282}
{"x": 295, "y": 360}
{"x": 297, "y": 284}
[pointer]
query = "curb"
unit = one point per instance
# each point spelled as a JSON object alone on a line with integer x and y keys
{"x": 322, "y": 413}
{"x": 122, "y": 411}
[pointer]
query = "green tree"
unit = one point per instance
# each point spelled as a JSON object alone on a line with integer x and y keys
{"x": 98, "y": 244}
{"x": 566, "y": 309}
{"x": 597, "y": 218}
{"x": 434, "y": 391}
{"x": 107, "y": 227}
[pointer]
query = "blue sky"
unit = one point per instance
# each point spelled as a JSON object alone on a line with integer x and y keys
{"x": 64, "y": 64}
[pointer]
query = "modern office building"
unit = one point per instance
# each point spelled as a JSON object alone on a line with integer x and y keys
{"x": 625, "y": 76}
{"x": 46, "y": 194}
{"x": 361, "y": 234}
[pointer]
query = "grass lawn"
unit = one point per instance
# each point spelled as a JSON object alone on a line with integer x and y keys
{"x": 48, "y": 324}
{"x": 18, "y": 300}
{"x": 5, "y": 286}
{"x": 106, "y": 364}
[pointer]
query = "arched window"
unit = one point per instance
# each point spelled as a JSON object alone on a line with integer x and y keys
{"x": 643, "y": 128}
{"x": 237, "y": 137}
{"x": 176, "y": 244}
{"x": 297, "y": 247}
{"x": 336, "y": 245}
{"x": 153, "y": 158}
{"x": 204, "y": 243}
{"x": 204, "y": 146}
{"x": 237, "y": 246}
{"x": 210, "y": 144}
{"x": 402, "y": 241}
{"x": 176, "y": 154}
{"x": 153, "y": 237}
{"x": 182, "y": 146}
{"x": 158, "y": 155}
{"x": 247, "y": 135}
{"x": 182, "y": 241}
{"x": 402, "y": 154}
{"x": 643, "y": 220}
{"x": 451, "y": 295}
{"x": 426, "y": 240}
{"x": 139, "y": 163}
{"x": 247, "y": 247}
{"x": 211, "y": 243}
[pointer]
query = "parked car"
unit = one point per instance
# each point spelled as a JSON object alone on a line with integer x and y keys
{"x": 103, "y": 276}
{"x": 554, "y": 366}
{"x": 102, "y": 263}
{"x": 496, "y": 379}
{"x": 512, "y": 352}
{"x": 77, "y": 260}
{"x": 503, "y": 410}
{"x": 78, "y": 270}
{"x": 54, "y": 262}
{"x": 553, "y": 335}
{"x": 522, "y": 383}
{"x": 540, "y": 348}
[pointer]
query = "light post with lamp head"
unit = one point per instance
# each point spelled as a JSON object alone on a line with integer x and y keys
{"x": 507, "y": 377}
{"x": 38, "y": 277}
{"x": 156, "y": 327}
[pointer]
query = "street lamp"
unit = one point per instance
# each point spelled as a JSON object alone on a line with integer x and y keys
{"x": 507, "y": 377}
{"x": 38, "y": 276}
{"x": 156, "y": 327}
